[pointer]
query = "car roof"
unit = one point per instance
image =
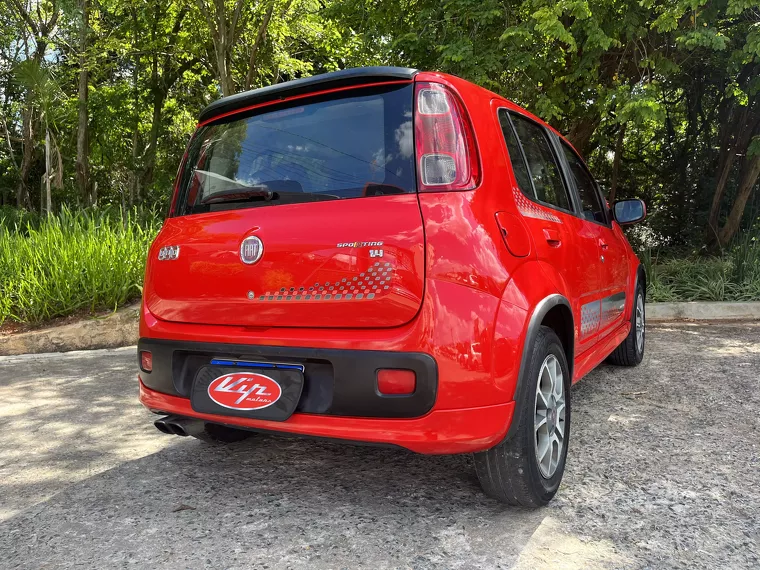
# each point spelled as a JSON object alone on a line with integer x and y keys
{"x": 348, "y": 78}
{"x": 322, "y": 82}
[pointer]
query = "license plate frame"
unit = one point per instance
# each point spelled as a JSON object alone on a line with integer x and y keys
{"x": 239, "y": 385}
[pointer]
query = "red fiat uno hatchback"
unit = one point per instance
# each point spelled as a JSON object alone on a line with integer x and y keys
{"x": 389, "y": 256}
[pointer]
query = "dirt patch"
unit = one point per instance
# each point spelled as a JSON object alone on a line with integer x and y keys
{"x": 9, "y": 328}
{"x": 73, "y": 333}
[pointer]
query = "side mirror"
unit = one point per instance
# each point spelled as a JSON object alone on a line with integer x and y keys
{"x": 629, "y": 211}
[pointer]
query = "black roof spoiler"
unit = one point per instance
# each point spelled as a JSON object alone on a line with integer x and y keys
{"x": 343, "y": 78}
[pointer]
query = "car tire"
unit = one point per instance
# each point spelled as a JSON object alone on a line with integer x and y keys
{"x": 515, "y": 471}
{"x": 217, "y": 433}
{"x": 631, "y": 350}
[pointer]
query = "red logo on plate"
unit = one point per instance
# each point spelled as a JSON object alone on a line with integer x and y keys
{"x": 244, "y": 391}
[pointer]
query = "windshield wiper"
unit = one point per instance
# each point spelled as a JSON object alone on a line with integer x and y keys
{"x": 250, "y": 194}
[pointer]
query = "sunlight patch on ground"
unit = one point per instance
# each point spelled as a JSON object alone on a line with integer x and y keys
{"x": 51, "y": 437}
{"x": 553, "y": 549}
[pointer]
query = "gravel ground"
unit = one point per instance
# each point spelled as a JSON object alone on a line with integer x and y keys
{"x": 663, "y": 471}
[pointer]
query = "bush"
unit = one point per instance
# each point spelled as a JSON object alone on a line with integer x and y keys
{"x": 734, "y": 276}
{"x": 94, "y": 260}
{"x": 18, "y": 220}
{"x": 71, "y": 262}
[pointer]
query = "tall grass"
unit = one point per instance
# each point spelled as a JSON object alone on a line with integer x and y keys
{"x": 733, "y": 276}
{"x": 89, "y": 261}
{"x": 74, "y": 261}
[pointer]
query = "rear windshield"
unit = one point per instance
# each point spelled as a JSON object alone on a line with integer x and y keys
{"x": 354, "y": 145}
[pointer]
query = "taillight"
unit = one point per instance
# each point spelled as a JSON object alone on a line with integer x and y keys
{"x": 446, "y": 155}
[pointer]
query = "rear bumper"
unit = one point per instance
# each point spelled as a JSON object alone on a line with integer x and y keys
{"x": 337, "y": 382}
{"x": 438, "y": 432}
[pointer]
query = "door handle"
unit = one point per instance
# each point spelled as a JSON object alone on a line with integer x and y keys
{"x": 603, "y": 244}
{"x": 552, "y": 237}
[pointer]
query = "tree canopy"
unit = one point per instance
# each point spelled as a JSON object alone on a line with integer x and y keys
{"x": 661, "y": 96}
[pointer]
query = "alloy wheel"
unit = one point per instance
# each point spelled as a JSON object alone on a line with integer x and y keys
{"x": 640, "y": 323}
{"x": 549, "y": 423}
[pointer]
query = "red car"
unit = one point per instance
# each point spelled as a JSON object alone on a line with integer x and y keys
{"x": 389, "y": 256}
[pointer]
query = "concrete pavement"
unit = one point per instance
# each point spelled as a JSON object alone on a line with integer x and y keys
{"x": 663, "y": 471}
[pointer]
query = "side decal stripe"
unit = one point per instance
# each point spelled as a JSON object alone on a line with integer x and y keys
{"x": 600, "y": 313}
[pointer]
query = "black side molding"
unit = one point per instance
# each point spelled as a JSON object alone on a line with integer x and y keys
{"x": 335, "y": 79}
{"x": 641, "y": 277}
{"x": 522, "y": 390}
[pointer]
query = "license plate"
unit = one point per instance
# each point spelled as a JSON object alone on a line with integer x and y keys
{"x": 247, "y": 391}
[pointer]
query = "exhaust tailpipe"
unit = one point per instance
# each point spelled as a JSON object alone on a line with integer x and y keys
{"x": 177, "y": 425}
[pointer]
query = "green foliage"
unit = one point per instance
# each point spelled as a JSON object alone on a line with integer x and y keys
{"x": 734, "y": 276}
{"x": 664, "y": 69}
{"x": 670, "y": 87}
{"x": 84, "y": 261}
{"x": 152, "y": 68}
{"x": 18, "y": 220}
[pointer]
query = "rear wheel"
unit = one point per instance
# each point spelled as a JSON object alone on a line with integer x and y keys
{"x": 526, "y": 469}
{"x": 217, "y": 433}
{"x": 631, "y": 350}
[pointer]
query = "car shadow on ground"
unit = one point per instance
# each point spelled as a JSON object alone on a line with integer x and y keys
{"x": 280, "y": 502}
{"x": 655, "y": 459}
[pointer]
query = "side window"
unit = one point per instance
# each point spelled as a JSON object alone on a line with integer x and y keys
{"x": 591, "y": 204}
{"x": 516, "y": 155}
{"x": 543, "y": 167}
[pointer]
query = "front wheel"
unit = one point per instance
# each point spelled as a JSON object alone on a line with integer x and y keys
{"x": 526, "y": 469}
{"x": 631, "y": 350}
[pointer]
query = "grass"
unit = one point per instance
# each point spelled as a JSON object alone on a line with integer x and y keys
{"x": 90, "y": 261}
{"x": 86, "y": 261}
{"x": 734, "y": 276}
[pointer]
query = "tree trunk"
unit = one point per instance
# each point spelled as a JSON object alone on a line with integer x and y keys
{"x": 40, "y": 30}
{"x": 83, "y": 158}
{"x": 27, "y": 158}
{"x": 217, "y": 23}
{"x": 581, "y": 132}
{"x": 48, "y": 196}
{"x": 222, "y": 69}
{"x": 725, "y": 164}
{"x": 616, "y": 162}
{"x": 149, "y": 164}
{"x": 224, "y": 34}
{"x": 731, "y": 129}
{"x": 737, "y": 127}
{"x": 749, "y": 175}
{"x": 260, "y": 37}
{"x": 134, "y": 178}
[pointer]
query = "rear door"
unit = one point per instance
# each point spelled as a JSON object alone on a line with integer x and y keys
{"x": 561, "y": 238}
{"x": 612, "y": 253}
{"x": 327, "y": 185}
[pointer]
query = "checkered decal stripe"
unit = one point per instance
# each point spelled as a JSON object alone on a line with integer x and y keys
{"x": 372, "y": 283}
{"x": 598, "y": 314}
{"x": 532, "y": 210}
{"x": 591, "y": 314}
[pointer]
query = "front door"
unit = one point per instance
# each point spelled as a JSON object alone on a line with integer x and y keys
{"x": 611, "y": 249}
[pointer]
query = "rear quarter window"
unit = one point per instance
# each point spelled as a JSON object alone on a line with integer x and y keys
{"x": 542, "y": 165}
{"x": 515, "y": 155}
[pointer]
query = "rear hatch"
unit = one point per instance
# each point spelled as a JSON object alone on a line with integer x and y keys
{"x": 327, "y": 185}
